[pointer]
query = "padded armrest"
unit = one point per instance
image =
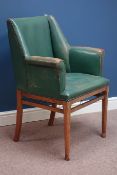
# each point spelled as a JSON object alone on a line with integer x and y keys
{"x": 44, "y": 61}
{"x": 45, "y": 75}
{"x": 86, "y": 60}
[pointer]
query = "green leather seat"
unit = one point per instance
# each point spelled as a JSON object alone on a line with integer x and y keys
{"x": 78, "y": 84}
{"x": 35, "y": 44}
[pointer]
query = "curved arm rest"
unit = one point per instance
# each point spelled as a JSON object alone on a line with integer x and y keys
{"x": 86, "y": 60}
{"x": 44, "y": 61}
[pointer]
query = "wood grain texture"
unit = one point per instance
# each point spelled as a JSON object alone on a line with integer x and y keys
{"x": 101, "y": 93}
{"x": 89, "y": 94}
{"x": 86, "y": 104}
{"x": 42, "y": 106}
{"x": 19, "y": 116}
{"x": 104, "y": 112}
{"x": 52, "y": 116}
{"x": 37, "y": 97}
{"x": 67, "y": 117}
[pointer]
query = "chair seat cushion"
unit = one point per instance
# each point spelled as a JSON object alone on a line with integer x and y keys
{"x": 78, "y": 84}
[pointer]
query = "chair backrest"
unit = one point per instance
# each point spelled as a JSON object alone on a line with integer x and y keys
{"x": 59, "y": 42}
{"x": 35, "y": 36}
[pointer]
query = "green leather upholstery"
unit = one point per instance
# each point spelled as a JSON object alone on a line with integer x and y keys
{"x": 78, "y": 84}
{"x": 59, "y": 43}
{"x": 46, "y": 65}
{"x": 45, "y": 77}
{"x": 86, "y": 60}
{"x": 35, "y": 35}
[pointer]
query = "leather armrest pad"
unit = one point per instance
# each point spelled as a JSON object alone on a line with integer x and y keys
{"x": 86, "y": 60}
{"x": 99, "y": 51}
{"x": 44, "y": 61}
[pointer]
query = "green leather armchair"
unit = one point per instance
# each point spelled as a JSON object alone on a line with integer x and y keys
{"x": 47, "y": 68}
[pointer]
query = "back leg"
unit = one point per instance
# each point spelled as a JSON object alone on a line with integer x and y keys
{"x": 52, "y": 116}
{"x": 104, "y": 113}
{"x": 18, "y": 117}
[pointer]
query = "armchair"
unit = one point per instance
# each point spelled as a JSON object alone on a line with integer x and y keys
{"x": 47, "y": 68}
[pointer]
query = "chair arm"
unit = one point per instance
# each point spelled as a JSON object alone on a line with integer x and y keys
{"x": 44, "y": 61}
{"x": 45, "y": 76}
{"x": 86, "y": 60}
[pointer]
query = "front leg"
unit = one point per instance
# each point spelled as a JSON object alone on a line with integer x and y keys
{"x": 19, "y": 116}
{"x": 67, "y": 116}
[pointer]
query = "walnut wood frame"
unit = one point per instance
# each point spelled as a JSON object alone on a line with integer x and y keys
{"x": 99, "y": 94}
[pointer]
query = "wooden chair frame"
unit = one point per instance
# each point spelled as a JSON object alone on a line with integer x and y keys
{"x": 99, "y": 94}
